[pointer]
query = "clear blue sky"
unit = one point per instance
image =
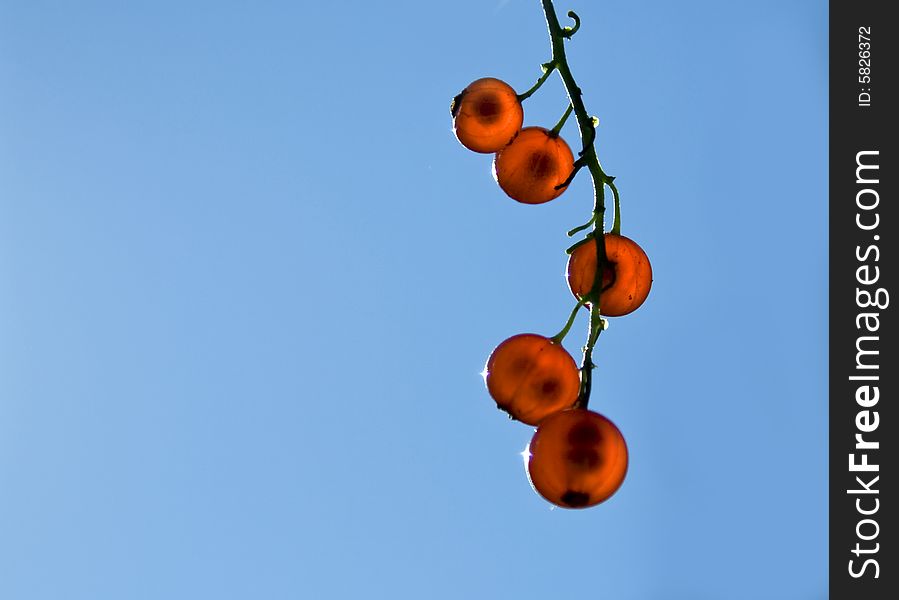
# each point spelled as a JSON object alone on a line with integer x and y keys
{"x": 248, "y": 280}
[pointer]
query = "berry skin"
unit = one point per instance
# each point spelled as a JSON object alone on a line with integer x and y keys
{"x": 627, "y": 276}
{"x": 530, "y": 377}
{"x": 576, "y": 459}
{"x": 529, "y": 169}
{"x": 486, "y": 115}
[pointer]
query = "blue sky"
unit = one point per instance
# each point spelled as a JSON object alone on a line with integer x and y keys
{"x": 248, "y": 280}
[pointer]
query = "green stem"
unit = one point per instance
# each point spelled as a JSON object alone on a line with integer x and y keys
{"x": 579, "y": 243}
{"x": 548, "y": 68}
{"x": 587, "y": 365}
{"x": 587, "y": 127}
{"x": 586, "y": 225}
{"x": 567, "y": 32}
{"x": 616, "y": 223}
{"x": 561, "y": 335}
{"x": 578, "y": 165}
{"x": 555, "y": 130}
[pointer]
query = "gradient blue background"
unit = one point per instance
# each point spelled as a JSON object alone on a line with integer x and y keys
{"x": 248, "y": 280}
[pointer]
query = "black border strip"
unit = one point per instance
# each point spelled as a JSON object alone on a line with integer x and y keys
{"x": 864, "y": 367}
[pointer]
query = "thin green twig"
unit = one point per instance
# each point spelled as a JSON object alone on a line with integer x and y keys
{"x": 555, "y": 130}
{"x": 561, "y": 335}
{"x": 548, "y": 68}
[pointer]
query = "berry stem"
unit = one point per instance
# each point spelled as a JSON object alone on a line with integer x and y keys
{"x": 587, "y": 127}
{"x": 578, "y": 164}
{"x": 548, "y": 68}
{"x": 616, "y": 223}
{"x": 561, "y": 335}
{"x": 586, "y": 225}
{"x": 555, "y": 130}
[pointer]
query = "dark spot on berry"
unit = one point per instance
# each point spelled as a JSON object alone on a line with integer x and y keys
{"x": 575, "y": 499}
{"x": 584, "y": 434}
{"x": 488, "y": 109}
{"x": 541, "y": 165}
{"x": 609, "y": 274}
{"x": 583, "y": 457}
{"x": 549, "y": 387}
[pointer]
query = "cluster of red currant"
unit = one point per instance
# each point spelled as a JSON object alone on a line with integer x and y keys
{"x": 530, "y": 164}
{"x": 577, "y": 458}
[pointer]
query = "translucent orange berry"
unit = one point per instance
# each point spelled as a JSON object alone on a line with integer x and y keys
{"x": 576, "y": 459}
{"x": 626, "y": 278}
{"x": 486, "y": 115}
{"x": 530, "y": 168}
{"x": 531, "y": 376}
